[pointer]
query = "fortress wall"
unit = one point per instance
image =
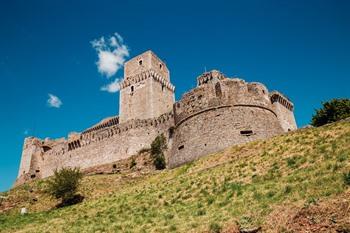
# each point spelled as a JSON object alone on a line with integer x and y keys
{"x": 162, "y": 98}
{"x": 218, "y": 128}
{"x": 284, "y": 110}
{"x": 27, "y": 152}
{"x": 134, "y": 99}
{"x": 227, "y": 92}
{"x": 147, "y": 98}
{"x": 30, "y": 160}
{"x": 219, "y": 114}
{"x": 286, "y": 117}
{"x": 107, "y": 145}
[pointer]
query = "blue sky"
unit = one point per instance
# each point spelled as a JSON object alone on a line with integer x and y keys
{"x": 301, "y": 48}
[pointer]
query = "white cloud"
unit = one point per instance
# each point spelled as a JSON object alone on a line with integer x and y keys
{"x": 54, "y": 101}
{"x": 112, "y": 53}
{"x": 112, "y": 87}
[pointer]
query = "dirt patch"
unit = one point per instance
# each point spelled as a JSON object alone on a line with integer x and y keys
{"x": 328, "y": 215}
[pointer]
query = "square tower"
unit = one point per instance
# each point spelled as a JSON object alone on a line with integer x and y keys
{"x": 146, "y": 91}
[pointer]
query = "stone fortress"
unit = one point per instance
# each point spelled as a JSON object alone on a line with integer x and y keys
{"x": 218, "y": 113}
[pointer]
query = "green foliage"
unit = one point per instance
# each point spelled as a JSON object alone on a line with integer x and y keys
{"x": 64, "y": 184}
{"x": 158, "y": 145}
{"x": 291, "y": 161}
{"x": 347, "y": 178}
{"x": 215, "y": 228}
{"x": 332, "y": 111}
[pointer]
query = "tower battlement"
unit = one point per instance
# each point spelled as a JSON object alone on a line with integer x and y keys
{"x": 145, "y": 62}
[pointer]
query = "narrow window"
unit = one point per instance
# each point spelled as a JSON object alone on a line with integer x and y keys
{"x": 160, "y": 66}
{"x": 37, "y": 171}
{"x": 140, "y": 62}
{"x": 32, "y": 176}
{"x": 246, "y": 132}
{"x": 218, "y": 92}
{"x": 171, "y": 132}
{"x": 114, "y": 166}
{"x": 132, "y": 90}
{"x": 181, "y": 147}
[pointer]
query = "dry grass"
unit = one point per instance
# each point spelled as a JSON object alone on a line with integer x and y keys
{"x": 242, "y": 185}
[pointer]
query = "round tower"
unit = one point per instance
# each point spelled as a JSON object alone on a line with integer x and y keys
{"x": 219, "y": 113}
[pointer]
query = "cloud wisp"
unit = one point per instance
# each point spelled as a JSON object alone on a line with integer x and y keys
{"x": 111, "y": 52}
{"x": 112, "y": 87}
{"x": 54, "y": 101}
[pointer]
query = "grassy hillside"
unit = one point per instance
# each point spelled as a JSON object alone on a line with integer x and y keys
{"x": 268, "y": 183}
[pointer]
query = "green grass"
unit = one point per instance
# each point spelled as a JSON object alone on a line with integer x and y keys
{"x": 241, "y": 184}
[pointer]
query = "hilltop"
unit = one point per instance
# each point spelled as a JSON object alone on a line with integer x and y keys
{"x": 289, "y": 183}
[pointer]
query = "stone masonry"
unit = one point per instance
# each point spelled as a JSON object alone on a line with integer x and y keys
{"x": 218, "y": 113}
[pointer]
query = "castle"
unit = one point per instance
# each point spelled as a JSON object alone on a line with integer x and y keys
{"x": 218, "y": 113}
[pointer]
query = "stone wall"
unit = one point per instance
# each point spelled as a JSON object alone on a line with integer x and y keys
{"x": 103, "y": 146}
{"x": 283, "y": 107}
{"x": 218, "y": 128}
{"x": 218, "y": 113}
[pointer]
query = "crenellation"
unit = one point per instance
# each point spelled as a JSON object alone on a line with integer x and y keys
{"x": 219, "y": 112}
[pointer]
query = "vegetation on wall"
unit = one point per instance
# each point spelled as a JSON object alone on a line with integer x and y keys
{"x": 64, "y": 184}
{"x": 158, "y": 145}
{"x": 331, "y": 111}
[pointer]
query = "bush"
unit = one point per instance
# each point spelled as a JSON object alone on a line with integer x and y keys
{"x": 64, "y": 185}
{"x": 347, "y": 178}
{"x": 331, "y": 111}
{"x": 157, "y": 147}
{"x": 215, "y": 228}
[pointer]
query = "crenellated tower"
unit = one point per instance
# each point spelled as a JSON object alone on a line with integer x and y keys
{"x": 146, "y": 91}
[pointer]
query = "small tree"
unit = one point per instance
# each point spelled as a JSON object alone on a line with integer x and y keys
{"x": 64, "y": 185}
{"x": 331, "y": 111}
{"x": 158, "y": 145}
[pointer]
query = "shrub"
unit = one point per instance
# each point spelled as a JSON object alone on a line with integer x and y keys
{"x": 291, "y": 162}
{"x": 64, "y": 185}
{"x": 215, "y": 228}
{"x": 347, "y": 178}
{"x": 157, "y": 147}
{"x": 331, "y": 111}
